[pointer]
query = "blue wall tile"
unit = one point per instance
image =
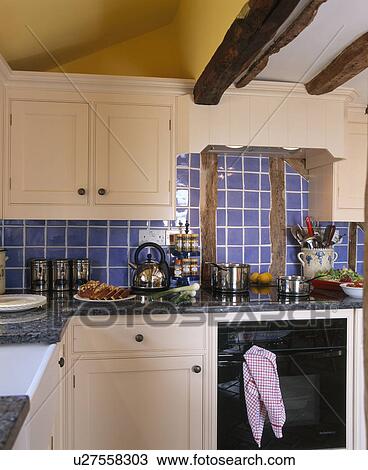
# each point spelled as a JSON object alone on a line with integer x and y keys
{"x": 77, "y": 236}
{"x": 13, "y": 236}
{"x": 242, "y": 221}
{"x": 55, "y": 236}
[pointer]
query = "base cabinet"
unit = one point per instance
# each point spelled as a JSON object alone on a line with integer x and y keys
{"x": 138, "y": 403}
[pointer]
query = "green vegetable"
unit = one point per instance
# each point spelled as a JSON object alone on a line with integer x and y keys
{"x": 340, "y": 275}
{"x": 192, "y": 289}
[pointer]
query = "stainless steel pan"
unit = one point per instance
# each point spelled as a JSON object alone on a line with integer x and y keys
{"x": 294, "y": 286}
{"x": 229, "y": 277}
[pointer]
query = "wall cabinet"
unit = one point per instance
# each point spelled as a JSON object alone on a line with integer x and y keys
{"x": 132, "y": 154}
{"x": 101, "y": 160}
{"x": 138, "y": 403}
{"x": 337, "y": 190}
{"x": 48, "y": 153}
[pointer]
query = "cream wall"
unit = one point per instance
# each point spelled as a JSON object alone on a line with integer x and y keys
{"x": 180, "y": 49}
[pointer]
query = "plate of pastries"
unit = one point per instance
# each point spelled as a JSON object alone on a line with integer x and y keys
{"x": 96, "y": 291}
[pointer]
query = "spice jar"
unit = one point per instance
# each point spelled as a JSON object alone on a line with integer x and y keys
{"x": 187, "y": 242}
{"x": 194, "y": 267}
{"x": 178, "y": 268}
{"x": 179, "y": 242}
{"x": 194, "y": 242}
{"x": 186, "y": 266}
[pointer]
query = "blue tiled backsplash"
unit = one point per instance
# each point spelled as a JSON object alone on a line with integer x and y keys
{"x": 243, "y": 233}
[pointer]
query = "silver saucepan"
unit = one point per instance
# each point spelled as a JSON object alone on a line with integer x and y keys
{"x": 296, "y": 286}
{"x": 229, "y": 277}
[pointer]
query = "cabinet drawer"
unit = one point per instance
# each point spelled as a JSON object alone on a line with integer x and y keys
{"x": 158, "y": 337}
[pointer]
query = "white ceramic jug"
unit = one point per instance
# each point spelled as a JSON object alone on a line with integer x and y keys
{"x": 315, "y": 260}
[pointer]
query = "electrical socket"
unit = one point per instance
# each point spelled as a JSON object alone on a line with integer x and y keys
{"x": 156, "y": 236}
{"x": 173, "y": 231}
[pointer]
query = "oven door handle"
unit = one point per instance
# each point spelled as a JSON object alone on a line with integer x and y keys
{"x": 224, "y": 359}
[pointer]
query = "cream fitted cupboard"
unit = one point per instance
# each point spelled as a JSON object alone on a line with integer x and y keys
{"x": 138, "y": 403}
{"x": 136, "y": 383}
{"x": 132, "y": 150}
{"x": 90, "y": 160}
{"x": 337, "y": 190}
{"x": 48, "y": 153}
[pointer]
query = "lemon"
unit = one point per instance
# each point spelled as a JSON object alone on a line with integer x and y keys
{"x": 264, "y": 278}
{"x": 254, "y": 278}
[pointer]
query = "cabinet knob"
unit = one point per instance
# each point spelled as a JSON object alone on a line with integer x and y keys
{"x": 81, "y": 191}
{"x": 197, "y": 369}
{"x": 61, "y": 362}
{"x": 139, "y": 338}
{"x": 101, "y": 191}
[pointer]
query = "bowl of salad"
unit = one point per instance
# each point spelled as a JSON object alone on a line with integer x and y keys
{"x": 334, "y": 278}
{"x": 353, "y": 289}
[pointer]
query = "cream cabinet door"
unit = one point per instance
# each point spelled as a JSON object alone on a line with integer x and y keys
{"x": 351, "y": 173}
{"x": 48, "y": 153}
{"x": 133, "y": 154}
{"x": 139, "y": 403}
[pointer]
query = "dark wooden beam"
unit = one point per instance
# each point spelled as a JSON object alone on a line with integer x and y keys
{"x": 303, "y": 20}
{"x": 249, "y": 33}
{"x": 350, "y": 62}
{"x": 277, "y": 217}
{"x": 208, "y": 208}
{"x": 352, "y": 252}
{"x": 299, "y": 166}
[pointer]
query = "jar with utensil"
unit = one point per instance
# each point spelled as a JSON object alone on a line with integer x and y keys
{"x": 316, "y": 260}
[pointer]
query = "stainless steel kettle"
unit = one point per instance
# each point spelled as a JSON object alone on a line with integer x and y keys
{"x": 150, "y": 275}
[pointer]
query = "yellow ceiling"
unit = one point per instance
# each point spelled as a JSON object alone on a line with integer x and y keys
{"x": 163, "y": 38}
{"x": 70, "y": 29}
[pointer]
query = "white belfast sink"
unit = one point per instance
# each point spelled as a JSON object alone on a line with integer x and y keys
{"x": 22, "y": 367}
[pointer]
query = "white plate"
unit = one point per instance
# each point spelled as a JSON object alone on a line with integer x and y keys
{"x": 355, "y": 292}
{"x": 82, "y": 299}
{"x": 20, "y": 302}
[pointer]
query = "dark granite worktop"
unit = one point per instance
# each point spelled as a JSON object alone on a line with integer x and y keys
{"x": 13, "y": 412}
{"x": 47, "y": 324}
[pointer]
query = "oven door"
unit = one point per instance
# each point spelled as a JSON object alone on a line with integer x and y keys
{"x": 313, "y": 386}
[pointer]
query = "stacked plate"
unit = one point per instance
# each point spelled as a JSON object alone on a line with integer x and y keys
{"x": 20, "y": 302}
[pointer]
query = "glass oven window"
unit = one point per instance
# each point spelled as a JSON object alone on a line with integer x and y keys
{"x": 311, "y": 361}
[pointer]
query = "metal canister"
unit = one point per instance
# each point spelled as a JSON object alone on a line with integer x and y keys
{"x": 80, "y": 272}
{"x": 60, "y": 274}
{"x": 40, "y": 275}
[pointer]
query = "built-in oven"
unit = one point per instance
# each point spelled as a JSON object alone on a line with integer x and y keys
{"x": 311, "y": 362}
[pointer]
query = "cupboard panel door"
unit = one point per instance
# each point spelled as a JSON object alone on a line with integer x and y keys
{"x": 351, "y": 173}
{"x": 48, "y": 153}
{"x": 140, "y": 403}
{"x": 133, "y": 154}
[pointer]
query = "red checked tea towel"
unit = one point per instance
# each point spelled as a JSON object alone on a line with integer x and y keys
{"x": 262, "y": 392}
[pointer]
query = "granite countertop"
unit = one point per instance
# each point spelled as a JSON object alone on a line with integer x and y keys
{"x": 47, "y": 324}
{"x": 13, "y": 412}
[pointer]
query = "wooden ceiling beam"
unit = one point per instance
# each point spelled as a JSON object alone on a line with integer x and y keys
{"x": 246, "y": 37}
{"x": 351, "y": 61}
{"x": 303, "y": 20}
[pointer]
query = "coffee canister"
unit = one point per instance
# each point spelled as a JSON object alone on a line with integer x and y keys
{"x": 60, "y": 274}
{"x": 40, "y": 275}
{"x": 80, "y": 272}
